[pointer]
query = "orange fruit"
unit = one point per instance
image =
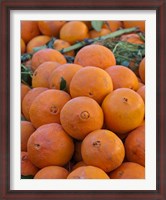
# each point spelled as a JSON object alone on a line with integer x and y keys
{"x": 135, "y": 145}
{"x": 102, "y": 148}
{"x": 112, "y": 25}
{"x": 122, "y": 77}
{"x": 47, "y": 106}
{"x": 24, "y": 90}
{"x": 50, "y": 28}
{"x": 79, "y": 164}
{"x": 128, "y": 170}
{"x": 52, "y": 172}
{"x": 27, "y": 167}
{"x": 44, "y": 55}
{"x": 28, "y": 99}
{"x": 23, "y": 46}
{"x": 142, "y": 70}
{"x": 80, "y": 116}
{"x": 139, "y": 24}
{"x": 102, "y": 32}
{"x": 74, "y": 31}
{"x": 29, "y": 30}
{"x": 88, "y": 172}
{"x": 50, "y": 145}
{"x": 37, "y": 42}
{"x": 61, "y": 44}
{"x": 92, "y": 82}
{"x": 65, "y": 71}
{"x": 26, "y": 131}
{"x": 140, "y": 85}
{"x": 132, "y": 38}
{"x": 42, "y": 74}
{"x": 141, "y": 92}
{"x": 123, "y": 110}
{"x": 95, "y": 55}
{"x": 88, "y": 24}
{"x": 77, "y": 151}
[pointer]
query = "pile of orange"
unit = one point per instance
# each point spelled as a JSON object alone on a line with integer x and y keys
{"x": 86, "y": 119}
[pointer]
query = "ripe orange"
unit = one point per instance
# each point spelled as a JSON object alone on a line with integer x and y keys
{"x": 49, "y": 145}
{"x": 29, "y": 30}
{"x": 27, "y": 167}
{"x": 139, "y": 24}
{"x": 26, "y": 131}
{"x": 92, "y": 82}
{"x": 132, "y": 38}
{"x": 47, "y": 106}
{"x": 79, "y": 164}
{"x": 95, "y": 34}
{"x": 122, "y": 77}
{"x": 123, "y": 110}
{"x": 50, "y": 28}
{"x": 112, "y": 25}
{"x": 88, "y": 24}
{"x": 52, "y": 172}
{"x": 23, "y": 46}
{"x": 141, "y": 92}
{"x": 28, "y": 99}
{"x": 42, "y": 74}
{"x": 65, "y": 71}
{"x": 24, "y": 90}
{"x": 37, "y": 42}
{"x": 135, "y": 145}
{"x": 88, "y": 172}
{"x": 80, "y": 116}
{"x": 102, "y": 148}
{"x": 74, "y": 31}
{"x": 128, "y": 170}
{"x": 142, "y": 70}
{"x": 47, "y": 55}
{"x": 95, "y": 55}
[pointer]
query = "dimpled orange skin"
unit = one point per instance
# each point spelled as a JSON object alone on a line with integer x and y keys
{"x": 24, "y": 90}
{"x": 142, "y": 70}
{"x": 23, "y": 46}
{"x": 130, "y": 24}
{"x": 141, "y": 92}
{"x": 92, "y": 82}
{"x": 95, "y": 55}
{"x": 122, "y": 77}
{"x": 78, "y": 164}
{"x": 46, "y": 107}
{"x": 128, "y": 170}
{"x": 123, "y": 110}
{"x": 52, "y": 172}
{"x": 50, "y": 145}
{"x": 88, "y": 172}
{"x": 44, "y": 55}
{"x": 42, "y": 74}
{"x": 94, "y": 33}
{"x": 112, "y": 25}
{"x": 102, "y": 148}
{"x": 80, "y": 116}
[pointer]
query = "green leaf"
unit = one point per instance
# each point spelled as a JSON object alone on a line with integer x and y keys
{"x": 63, "y": 84}
{"x": 97, "y": 25}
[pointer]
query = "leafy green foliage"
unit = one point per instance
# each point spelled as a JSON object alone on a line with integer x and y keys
{"x": 26, "y": 75}
{"x": 97, "y": 25}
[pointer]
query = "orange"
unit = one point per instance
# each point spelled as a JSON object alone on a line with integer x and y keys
{"x": 27, "y": 167}
{"x": 132, "y": 38}
{"x": 50, "y": 28}
{"x": 102, "y": 148}
{"x": 74, "y": 31}
{"x": 23, "y": 46}
{"x": 24, "y": 90}
{"x": 102, "y": 32}
{"x": 112, "y": 25}
{"x": 141, "y": 92}
{"x": 128, "y": 170}
{"x": 77, "y": 151}
{"x": 140, "y": 85}
{"x": 37, "y": 42}
{"x": 95, "y": 55}
{"x": 65, "y": 71}
{"x": 26, "y": 131}
{"x": 135, "y": 145}
{"x": 79, "y": 164}
{"x": 29, "y": 30}
{"x": 28, "y": 99}
{"x": 139, "y": 24}
{"x": 142, "y": 70}
{"x": 88, "y": 172}
{"x": 123, "y": 110}
{"x": 88, "y": 24}
{"x": 122, "y": 77}
{"x": 42, "y": 74}
{"x": 92, "y": 82}
{"x": 49, "y": 145}
{"x": 61, "y": 44}
{"x": 52, "y": 172}
{"x": 80, "y": 116}
{"x": 47, "y": 106}
{"x": 47, "y": 55}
